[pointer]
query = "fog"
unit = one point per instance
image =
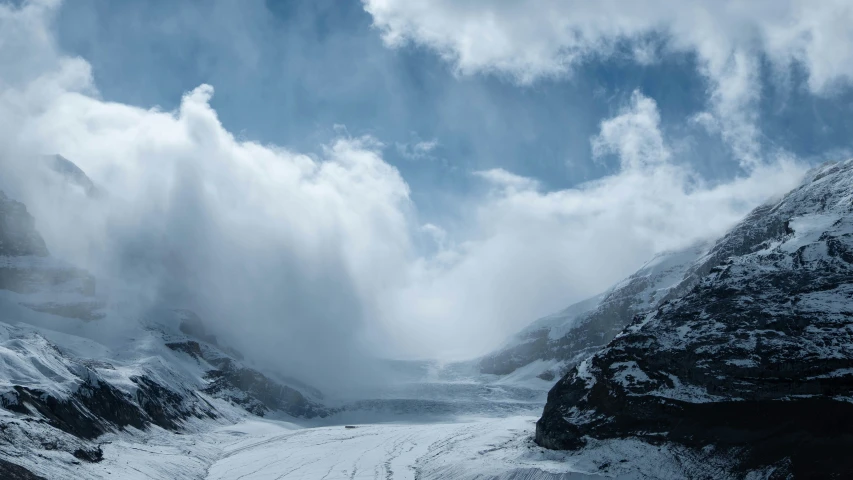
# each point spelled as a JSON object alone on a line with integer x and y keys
{"x": 319, "y": 265}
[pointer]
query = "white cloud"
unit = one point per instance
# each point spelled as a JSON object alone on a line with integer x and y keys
{"x": 507, "y": 180}
{"x": 302, "y": 257}
{"x": 425, "y": 146}
{"x": 282, "y": 249}
{"x": 532, "y": 39}
{"x": 634, "y": 135}
{"x": 418, "y": 150}
{"x": 535, "y": 38}
{"x": 531, "y": 252}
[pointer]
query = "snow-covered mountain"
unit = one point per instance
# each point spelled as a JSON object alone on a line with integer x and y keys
{"x": 550, "y": 346}
{"x": 718, "y": 361}
{"x": 59, "y": 393}
{"x": 80, "y": 371}
{"x": 750, "y": 369}
{"x": 68, "y": 375}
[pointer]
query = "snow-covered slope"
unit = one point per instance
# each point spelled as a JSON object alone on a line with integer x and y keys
{"x": 74, "y": 367}
{"x": 552, "y": 345}
{"x": 77, "y": 389}
{"x": 470, "y": 449}
{"x": 753, "y": 364}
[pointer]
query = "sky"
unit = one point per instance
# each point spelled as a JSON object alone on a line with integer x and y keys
{"x": 407, "y": 178}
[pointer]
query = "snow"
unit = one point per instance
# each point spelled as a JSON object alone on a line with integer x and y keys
{"x": 560, "y": 324}
{"x": 449, "y": 424}
{"x": 584, "y": 373}
{"x": 664, "y": 272}
{"x": 237, "y": 444}
{"x": 629, "y": 373}
{"x": 557, "y": 324}
{"x": 476, "y": 448}
{"x": 639, "y": 326}
{"x": 660, "y": 274}
{"x": 527, "y": 376}
{"x": 808, "y": 229}
{"x": 27, "y": 359}
{"x": 763, "y": 266}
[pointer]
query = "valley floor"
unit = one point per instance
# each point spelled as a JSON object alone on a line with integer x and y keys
{"x": 258, "y": 449}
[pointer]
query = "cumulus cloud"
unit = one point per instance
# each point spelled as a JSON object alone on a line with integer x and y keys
{"x": 507, "y": 180}
{"x": 419, "y": 150}
{"x": 532, "y": 39}
{"x": 634, "y": 135}
{"x": 309, "y": 263}
{"x": 277, "y": 248}
{"x": 530, "y": 253}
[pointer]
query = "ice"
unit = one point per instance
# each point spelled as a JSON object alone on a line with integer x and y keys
{"x": 476, "y": 448}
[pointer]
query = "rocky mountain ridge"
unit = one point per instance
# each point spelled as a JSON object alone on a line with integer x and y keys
{"x": 752, "y": 363}
{"x": 562, "y": 340}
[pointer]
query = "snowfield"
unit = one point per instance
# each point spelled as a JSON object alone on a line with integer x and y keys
{"x": 258, "y": 449}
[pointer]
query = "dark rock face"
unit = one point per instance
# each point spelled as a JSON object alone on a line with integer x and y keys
{"x": 67, "y": 402}
{"x": 587, "y": 326}
{"x": 192, "y": 325}
{"x": 29, "y": 276}
{"x": 11, "y": 471}
{"x": 18, "y": 234}
{"x": 91, "y": 455}
{"x": 258, "y": 394}
{"x": 97, "y": 407}
{"x": 755, "y": 359}
{"x": 255, "y": 392}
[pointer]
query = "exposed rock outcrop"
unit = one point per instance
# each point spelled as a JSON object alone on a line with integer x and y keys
{"x": 257, "y": 393}
{"x": 12, "y": 471}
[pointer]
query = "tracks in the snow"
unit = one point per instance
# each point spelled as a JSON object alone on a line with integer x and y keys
{"x": 378, "y": 452}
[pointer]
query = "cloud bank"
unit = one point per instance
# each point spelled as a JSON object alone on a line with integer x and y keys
{"x": 314, "y": 264}
{"x": 533, "y": 39}
{"x": 528, "y": 252}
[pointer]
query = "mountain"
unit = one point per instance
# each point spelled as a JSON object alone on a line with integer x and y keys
{"x": 69, "y": 174}
{"x": 74, "y": 366}
{"x": 750, "y": 369}
{"x": 62, "y": 392}
{"x": 554, "y": 344}
{"x": 32, "y": 278}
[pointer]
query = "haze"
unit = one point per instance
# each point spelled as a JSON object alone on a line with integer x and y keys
{"x": 330, "y": 185}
